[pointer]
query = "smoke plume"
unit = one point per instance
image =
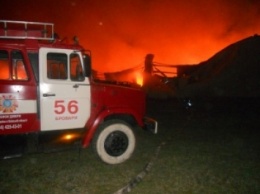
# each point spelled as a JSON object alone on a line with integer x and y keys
{"x": 120, "y": 33}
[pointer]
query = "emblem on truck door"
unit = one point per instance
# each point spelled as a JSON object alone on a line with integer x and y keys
{"x": 8, "y": 104}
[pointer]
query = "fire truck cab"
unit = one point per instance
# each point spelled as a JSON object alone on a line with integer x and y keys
{"x": 49, "y": 101}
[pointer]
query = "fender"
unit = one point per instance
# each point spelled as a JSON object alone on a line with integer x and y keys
{"x": 93, "y": 125}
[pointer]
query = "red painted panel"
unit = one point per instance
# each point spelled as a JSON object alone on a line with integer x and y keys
{"x": 18, "y": 123}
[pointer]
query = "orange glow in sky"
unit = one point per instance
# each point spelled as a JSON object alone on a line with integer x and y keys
{"x": 120, "y": 33}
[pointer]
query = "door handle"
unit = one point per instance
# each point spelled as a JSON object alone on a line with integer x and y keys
{"x": 47, "y": 95}
{"x": 75, "y": 86}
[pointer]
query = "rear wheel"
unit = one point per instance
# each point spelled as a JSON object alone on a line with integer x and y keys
{"x": 114, "y": 141}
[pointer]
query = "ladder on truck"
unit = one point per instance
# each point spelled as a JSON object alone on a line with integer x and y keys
{"x": 26, "y": 30}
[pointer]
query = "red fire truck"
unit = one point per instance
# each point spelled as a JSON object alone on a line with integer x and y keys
{"x": 49, "y": 100}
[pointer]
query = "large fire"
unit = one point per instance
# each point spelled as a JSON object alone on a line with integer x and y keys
{"x": 121, "y": 33}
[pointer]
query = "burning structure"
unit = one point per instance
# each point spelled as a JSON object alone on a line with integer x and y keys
{"x": 228, "y": 78}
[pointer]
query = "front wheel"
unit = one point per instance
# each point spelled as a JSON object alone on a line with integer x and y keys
{"x": 114, "y": 141}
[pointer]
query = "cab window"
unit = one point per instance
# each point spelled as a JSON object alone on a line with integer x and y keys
{"x": 18, "y": 67}
{"x": 34, "y": 58}
{"x": 57, "y": 66}
{"x": 76, "y": 71}
{"x": 60, "y": 68}
{"x": 4, "y": 65}
{"x": 19, "y": 72}
{"x": 14, "y": 68}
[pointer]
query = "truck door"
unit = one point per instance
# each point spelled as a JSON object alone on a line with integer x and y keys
{"x": 18, "y": 93}
{"x": 64, "y": 90}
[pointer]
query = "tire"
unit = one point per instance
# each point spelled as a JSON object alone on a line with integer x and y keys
{"x": 114, "y": 142}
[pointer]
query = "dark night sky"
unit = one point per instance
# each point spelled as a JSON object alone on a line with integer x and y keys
{"x": 121, "y": 32}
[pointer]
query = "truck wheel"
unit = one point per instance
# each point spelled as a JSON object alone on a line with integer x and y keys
{"x": 114, "y": 141}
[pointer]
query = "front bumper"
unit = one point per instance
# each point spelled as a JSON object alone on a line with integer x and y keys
{"x": 151, "y": 125}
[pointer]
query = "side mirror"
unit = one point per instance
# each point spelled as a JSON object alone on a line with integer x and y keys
{"x": 87, "y": 65}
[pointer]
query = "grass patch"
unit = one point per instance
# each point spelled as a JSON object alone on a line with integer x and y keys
{"x": 202, "y": 154}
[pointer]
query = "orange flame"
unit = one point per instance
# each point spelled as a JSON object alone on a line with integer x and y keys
{"x": 139, "y": 79}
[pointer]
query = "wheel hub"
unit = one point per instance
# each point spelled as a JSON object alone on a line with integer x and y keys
{"x": 116, "y": 143}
